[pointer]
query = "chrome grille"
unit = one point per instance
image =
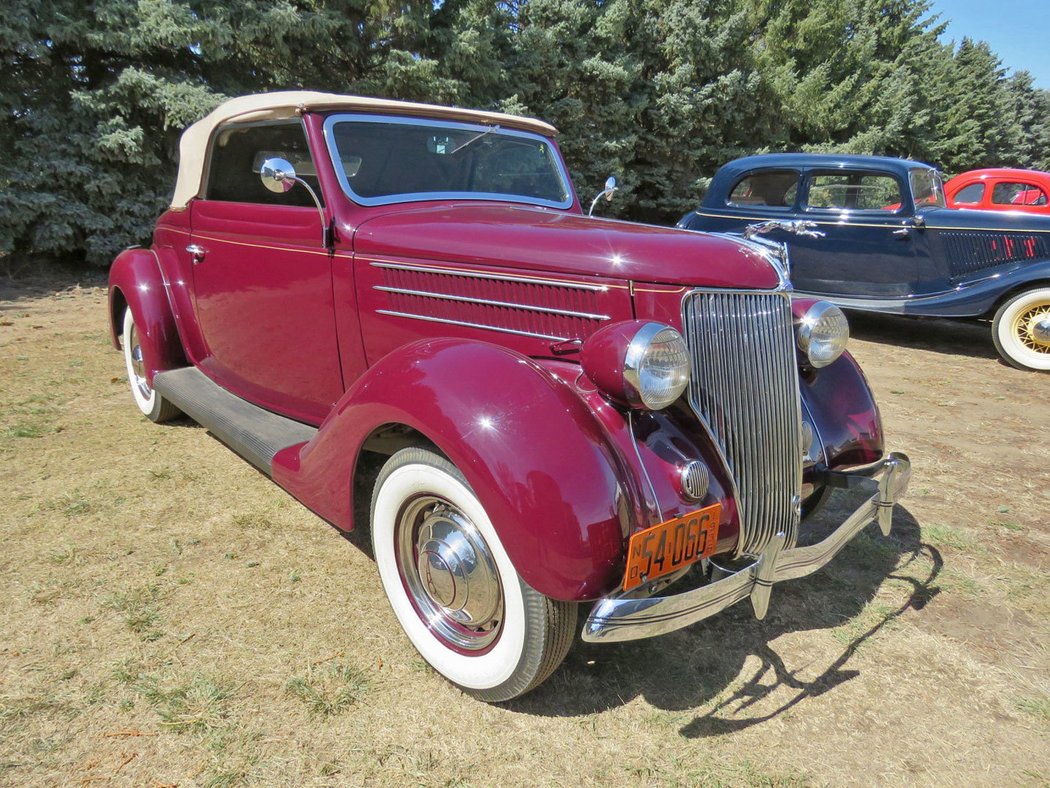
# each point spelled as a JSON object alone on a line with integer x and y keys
{"x": 745, "y": 389}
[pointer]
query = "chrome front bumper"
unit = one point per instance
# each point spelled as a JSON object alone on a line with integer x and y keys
{"x": 623, "y": 618}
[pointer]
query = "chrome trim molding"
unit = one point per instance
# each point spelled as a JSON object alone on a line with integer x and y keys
{"x": 485, "y": 275}
{"x": 486, "y": 302}
{"x": 619, "y": 618}
{"x": 465, "y": 324}
{"x": 744, "y": 388}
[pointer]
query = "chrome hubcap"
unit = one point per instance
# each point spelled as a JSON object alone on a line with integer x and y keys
{"x": 449, "y": 574}
{"x": 1041, "y": 330}
{"x": 138, "y": 366}
{"x": 1033, "y": 328}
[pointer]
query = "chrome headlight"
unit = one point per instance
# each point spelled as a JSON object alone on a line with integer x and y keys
{"x": 638, "y": 363}
{"x": 823, "y": 333}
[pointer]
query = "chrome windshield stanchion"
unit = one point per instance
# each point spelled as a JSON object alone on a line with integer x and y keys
{"x": 619, "y": 618}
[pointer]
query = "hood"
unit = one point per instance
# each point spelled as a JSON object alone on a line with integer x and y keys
{"x": 511, "y": 236}
{"x": 965, "y": 219}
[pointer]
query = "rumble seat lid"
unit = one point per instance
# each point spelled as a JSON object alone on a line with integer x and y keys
{"x": 281, "y": 105}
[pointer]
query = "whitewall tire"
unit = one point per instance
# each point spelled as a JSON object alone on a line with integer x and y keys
{"x": 153, "y": 406}
{"x": 1021, "y": 329}
{"x": 452, "y": 586}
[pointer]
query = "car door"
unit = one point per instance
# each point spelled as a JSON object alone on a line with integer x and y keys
{"x": 871, "y": 248}
{"x": 972, "y": 194}
{"x": 262, "y": 276}
{"x": 1018, "y": 194}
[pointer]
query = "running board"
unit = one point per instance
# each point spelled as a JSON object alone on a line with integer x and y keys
{"x": 255, "y": 434}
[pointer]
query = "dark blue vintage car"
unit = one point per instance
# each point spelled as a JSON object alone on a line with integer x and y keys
{"x": 872, "y": 233}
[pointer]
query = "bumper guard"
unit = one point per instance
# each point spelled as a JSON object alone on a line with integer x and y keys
{"x": 621, "y": 618}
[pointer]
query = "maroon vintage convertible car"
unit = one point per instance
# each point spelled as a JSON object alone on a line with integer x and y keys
{"x": 575, "y": 410}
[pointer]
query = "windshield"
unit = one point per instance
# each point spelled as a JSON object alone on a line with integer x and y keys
{"x": 926, "y": 187}
{"x": 381, "y": 160}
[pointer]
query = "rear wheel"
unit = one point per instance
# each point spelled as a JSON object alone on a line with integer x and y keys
{"x": 153, "y": 406}
{"x": 453, "y": 587}
{"x": 1021, "y": 330}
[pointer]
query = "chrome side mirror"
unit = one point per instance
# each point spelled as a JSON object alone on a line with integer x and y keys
{"x": 278, "y": 175}
{"x": 608, "y": 192}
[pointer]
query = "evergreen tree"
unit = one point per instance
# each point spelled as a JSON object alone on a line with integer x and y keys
{"x": 658, "y": 92}
{"x": 96, "y": 95}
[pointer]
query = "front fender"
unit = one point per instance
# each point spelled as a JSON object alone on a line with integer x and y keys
{"x": 135, "y": 282}
{"x": 557, "y": 489}
{"x": 844, "y": 413}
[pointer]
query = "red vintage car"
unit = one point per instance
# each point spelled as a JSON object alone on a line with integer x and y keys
{"x": 576, "y": 413}
{"x": 1000, "y": 190}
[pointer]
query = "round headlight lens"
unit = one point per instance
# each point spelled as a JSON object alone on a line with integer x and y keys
{"x": 823, "y": 334}
{"x": 656, "y": 369}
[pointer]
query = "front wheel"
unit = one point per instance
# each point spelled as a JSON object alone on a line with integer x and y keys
{"x": 453, "y": 587}
{"x": 1021, "y": 329}
{"x": 153, "y": 406}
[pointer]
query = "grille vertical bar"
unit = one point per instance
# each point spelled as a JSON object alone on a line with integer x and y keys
{"x": 745, "y": 388}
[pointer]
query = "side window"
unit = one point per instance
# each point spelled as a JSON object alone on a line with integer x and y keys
{"x": 771, "y": 188}
{"x": 1013, "y": 193}
{"x": 854, "y": 191}
{"x": 970, "y": 195}
{"x": 237, "y": 155}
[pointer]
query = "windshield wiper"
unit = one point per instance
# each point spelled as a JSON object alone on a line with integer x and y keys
{"x": 473, "y": 139}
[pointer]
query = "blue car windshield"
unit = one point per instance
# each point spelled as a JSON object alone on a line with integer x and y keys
{"x": 382, "y": 160}
{"x": 926, "y": 187}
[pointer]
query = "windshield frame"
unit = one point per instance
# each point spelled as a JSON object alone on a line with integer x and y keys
{"x": 438, "y": 124}
{"x": 937, "y": 183}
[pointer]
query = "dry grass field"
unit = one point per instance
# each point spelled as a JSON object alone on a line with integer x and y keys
{"x": 168, "y": 616}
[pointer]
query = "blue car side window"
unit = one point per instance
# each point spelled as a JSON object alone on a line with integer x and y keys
{"x": 854, "y": 191}
{"x": 768, "y": 189}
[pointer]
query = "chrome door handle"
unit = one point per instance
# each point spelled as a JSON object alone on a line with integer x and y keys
{"x": 196, "y": 253}
{"x": 903, "y": 232}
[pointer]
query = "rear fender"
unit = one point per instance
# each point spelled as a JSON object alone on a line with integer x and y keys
{"x": 558, "y": 490}
{"x": 982, "y": 296}
{"x": 135, "y": 282}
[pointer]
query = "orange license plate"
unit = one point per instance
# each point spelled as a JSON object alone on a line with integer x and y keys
{"x": 662, "y": 549}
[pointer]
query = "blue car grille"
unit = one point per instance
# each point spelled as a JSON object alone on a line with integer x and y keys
{"x": 744, "y": 387}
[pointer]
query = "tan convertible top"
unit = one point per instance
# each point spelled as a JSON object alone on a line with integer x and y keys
{"x": 193, "y": 147}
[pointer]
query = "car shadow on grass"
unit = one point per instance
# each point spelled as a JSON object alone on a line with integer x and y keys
{"x": 728, "y": 664}
{"x": 939, "y": 335}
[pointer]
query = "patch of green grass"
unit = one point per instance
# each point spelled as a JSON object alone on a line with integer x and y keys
{"x": 66, "y": 555}
{"x": 1008, "y": 525}
{"x": 952, "y": 581}
{"x": 71, "y": 504}
{"x": 24, "y": 431}
{"x": 251, "y": 520}
{"x": 139, "y": 606}
{"x": 946, "y": 536}
{"x": 199, "y": 705}
{"x": 1038, "y": 707}
{"x": 329, "y": 769}
{"x": 330, "y": 690}
{"x": 877, "y": 614}
{"x": 225, "y": 779}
